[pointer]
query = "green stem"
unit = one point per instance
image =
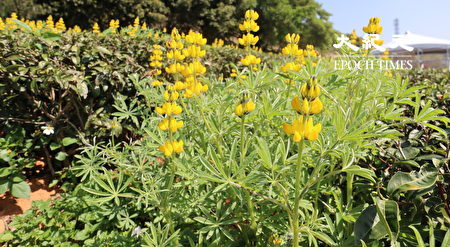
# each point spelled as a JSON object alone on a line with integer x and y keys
{"x": 241, "y": 157}
{"x": 241, "y": 163}
{"x": 298, "y": 175}
{"x": 166, "y": 207}
{"x": 349, "y": 190}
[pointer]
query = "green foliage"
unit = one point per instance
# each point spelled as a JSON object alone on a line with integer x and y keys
{"x": 305, "y": 17}
{"x": 215, "y": 19}
{"x": 376, "y": 176}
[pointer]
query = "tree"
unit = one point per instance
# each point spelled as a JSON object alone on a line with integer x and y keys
{"x": 214, "y": 18}
{"x": 305, "y": 17}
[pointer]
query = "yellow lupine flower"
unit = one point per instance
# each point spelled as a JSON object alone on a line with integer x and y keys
{"x": 353, "y": 37}
{"x": 171, "y": 124}
{"x": 2, "y": 24}
{"x": 169, "y": 108}
{"x": 96, "y": 28}
{"x": 217, "y": 43}
{"x": 174, "y": 33}
{"x": 157, "y": 83}
{"x": 303, "y": 128}
{"x": 179, "y": 85}
{"x": 250, "y": 59}
{"x": 136, "y": 22}
{"x": 170, "y": 147}
{"x": 195, "y": 89}
{"x": 171, "y": 96}
{"x": 251, "y": 15}
{"x": 244, "y": 108}
{"x": 292, "y": 50}
{"x": 175, "y": 54}
{"x": 291, "y": 66}
{"x": 292, "y": 38}
{"x": 174, "y": 44}
{"x": 193, "y": 68}
{"x": 310, "y": 90}
{"x": 40, "y": 25}
{"x": 175, "y": 68}
{"x": 374, "y": 26}
{"x": 194, "y": 51}
{"x": 76, "y": 29}
{"x": 60, "y": 26}
{"x": 195, "y": 38}
{"x": 306, "y": 107}
{"x": 249, "y": 26}
{"x": 310, "y": 51}
{"x": 49, "y": 24}
{"x": 245, "y": 105}
{"x": 248, "y": 39}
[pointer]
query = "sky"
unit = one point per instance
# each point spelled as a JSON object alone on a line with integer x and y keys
{"x": 423, "y": 17}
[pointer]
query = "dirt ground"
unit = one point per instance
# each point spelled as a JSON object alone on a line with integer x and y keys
{"x": 10, "y": 206}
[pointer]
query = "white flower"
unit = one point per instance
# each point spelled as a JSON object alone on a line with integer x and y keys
{"x": 136, "y": 231}
{"x": 48, "y": 130}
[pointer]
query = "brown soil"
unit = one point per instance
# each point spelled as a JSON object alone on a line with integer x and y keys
{"x": 10, "y": 206}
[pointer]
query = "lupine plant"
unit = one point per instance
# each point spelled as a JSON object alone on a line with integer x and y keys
{"x": 282, "y": 152}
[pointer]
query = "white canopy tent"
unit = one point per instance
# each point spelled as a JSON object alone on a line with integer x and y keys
{"x": 427, "y": 50}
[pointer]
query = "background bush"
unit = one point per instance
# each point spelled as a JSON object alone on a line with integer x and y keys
{"x": 215, "y": 19}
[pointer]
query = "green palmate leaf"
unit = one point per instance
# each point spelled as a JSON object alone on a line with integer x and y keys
{"x": 264, "y": 153}
{"x": 20, "y": 190}
{"x": 402, "y": 181}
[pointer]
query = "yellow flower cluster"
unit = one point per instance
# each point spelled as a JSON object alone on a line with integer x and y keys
{"x": 50, "y": 24}
{"x": 249, "y": 25}
{"x": 353, "y": 37}
{"x": 217, "y": 43}
{"x": 245, "y": 106}
{"x": 171, "y": 147}
{"x": 96, "y": 28}
{"x": 302, "y": 127}
{"x": 250, "y": 60}
{"x": 114, "y": 25}
{"x": 194, "y": 68}
{"x": 76, "y": 29}
{"x": 2, "y": 25}
{"x": 292, "y": 51}
{"x": 60, "y": 26}
{"x": 170, "y": 109}
{"x": 156, "y": 58}
{"x": 184, "y": 53}
{"x": 374, "y": 26}
{"x": 248, "y": 39}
